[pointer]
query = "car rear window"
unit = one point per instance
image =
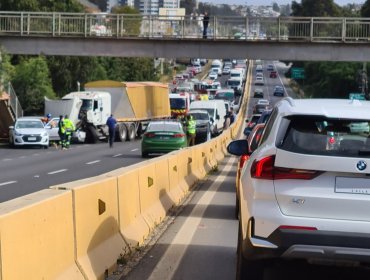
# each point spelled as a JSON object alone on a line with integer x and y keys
{"x": 160, "y": 126}
{"x": 327, "y": 136}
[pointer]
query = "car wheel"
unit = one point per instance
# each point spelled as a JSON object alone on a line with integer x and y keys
{"x": 247, "y": 269}
{"x": 236, "y": 207}
{"x": 144, "y": 154}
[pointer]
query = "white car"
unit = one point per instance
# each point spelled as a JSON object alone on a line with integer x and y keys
{"x": 259, "y": 81}
{"x": 28, "y": 131}
{"x": 52, "y": 128}
{"x": 213, "y": 76}
{"x": 304, "y": 192}
{"x": 226, "y": 70}
{"x": 263, "y": 102}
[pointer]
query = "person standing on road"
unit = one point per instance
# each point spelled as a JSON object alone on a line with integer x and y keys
{"x": 227, "y": 121}
{"x": 191, "y": 130}
{"x": 68, "y": 130}
{"x": 232, "y": 115}
{"x": 61, "y": 131}
{"x": 205, "y": 24}
{"x": 111, "y": 123}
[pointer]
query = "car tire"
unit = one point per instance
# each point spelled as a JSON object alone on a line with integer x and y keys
{"x": 247, "y": 269}
{"x": 144, "y": 154}
{"x": 237, "y": 207}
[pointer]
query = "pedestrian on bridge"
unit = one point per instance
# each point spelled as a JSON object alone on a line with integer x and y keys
{"x": 205, "y": 24}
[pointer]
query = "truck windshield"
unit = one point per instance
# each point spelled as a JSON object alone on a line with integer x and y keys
{"x": 87, "y": 104}
{"x": 177, "y": 103}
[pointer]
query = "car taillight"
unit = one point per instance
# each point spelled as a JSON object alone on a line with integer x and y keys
{"x": 178, "y": 135}
{"x": 265, "y": 169}
{"x": 149, "y": 135}
{"x": 331, "y": 140}
{"x": 251, "y": 124}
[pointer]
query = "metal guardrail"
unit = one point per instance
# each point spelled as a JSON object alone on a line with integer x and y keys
{"x": 313, "y": 29}
{"x": 14, "y": 103}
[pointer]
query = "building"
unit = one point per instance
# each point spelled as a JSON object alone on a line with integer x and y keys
{"x": 152, "y": 6}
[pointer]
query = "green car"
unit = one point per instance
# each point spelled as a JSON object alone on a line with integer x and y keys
{"x": 163, "y": 137}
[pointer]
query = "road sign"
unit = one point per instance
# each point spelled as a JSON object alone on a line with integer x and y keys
{"x": 358, "y": 96}
{"x": 297, "y": 73}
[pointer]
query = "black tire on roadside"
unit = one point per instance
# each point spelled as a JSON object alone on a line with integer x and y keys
{"x": 248, "y": 269}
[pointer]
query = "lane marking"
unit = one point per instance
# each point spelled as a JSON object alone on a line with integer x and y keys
{"x": 117, "y": 155}
{"x": 8, "y": 183}
{"x": 7, "y": 159}
{"x": 93, "y": 162}
{"x": 134, "y": 150}
{"x": 57, "y": 171}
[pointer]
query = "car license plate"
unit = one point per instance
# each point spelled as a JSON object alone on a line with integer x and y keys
{"x": 352, "y": 185}
{"x": 164, "y": 137}
{"x": 31, "y": 138}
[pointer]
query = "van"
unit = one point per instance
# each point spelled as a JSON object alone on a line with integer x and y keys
{"x": 217, "y": 111}
{"x": 236, "y": 84}
{"x": 218, "y": 65}
{"x": 237, "y": 73}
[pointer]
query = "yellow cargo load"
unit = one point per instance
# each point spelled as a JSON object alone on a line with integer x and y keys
{"x": 135, "y": 101}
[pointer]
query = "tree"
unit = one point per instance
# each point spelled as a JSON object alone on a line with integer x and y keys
{"x": 189, "y": 5}
{"x": 7, "y": 70}
{"x": 41, "y": 5}
{"x": 365, "y": 9}
{"x": 68, "y": 71}
{"x": 275, "y": 7}
{"x": 32, "y": 82}
{"x": 316, "y": 8}
{"x": 132, "y": 25}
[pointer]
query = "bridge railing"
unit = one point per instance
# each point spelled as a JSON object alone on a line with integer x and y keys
{"x": 323, "y": 29}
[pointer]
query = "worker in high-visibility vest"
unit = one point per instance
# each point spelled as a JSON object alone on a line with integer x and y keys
{"x": 68, "y": 128}
{"x": 191, "y": 130}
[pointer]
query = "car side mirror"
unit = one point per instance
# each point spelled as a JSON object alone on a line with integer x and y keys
{"x": 217, "y": 117}
{"x": 238, "y": 147}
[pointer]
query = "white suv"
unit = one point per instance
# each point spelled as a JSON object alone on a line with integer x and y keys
{"x": 305, "y": 191}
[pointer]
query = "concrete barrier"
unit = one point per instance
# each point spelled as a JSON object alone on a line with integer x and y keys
{"x": 99, "y": 243}
{"x": 37, "y": 237}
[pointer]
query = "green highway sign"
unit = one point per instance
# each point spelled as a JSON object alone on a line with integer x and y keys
{"x": 358, "y": 96}
{"x": 297, "y": 73}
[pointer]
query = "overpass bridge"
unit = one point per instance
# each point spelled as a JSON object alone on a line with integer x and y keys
{"x": 123, "y": 35}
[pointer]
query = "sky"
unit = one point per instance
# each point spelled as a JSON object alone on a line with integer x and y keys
{"x": 280, "y": 2}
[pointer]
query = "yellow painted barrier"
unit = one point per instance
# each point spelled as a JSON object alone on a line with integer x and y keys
{"x": 132, "y": 225}
{"x": 152, "y": 207}
{"x": 97, "y": 236}
{"x": 176, "y": 192}
{"x": 186, "y": 178}
{"x": 37, "y": 237}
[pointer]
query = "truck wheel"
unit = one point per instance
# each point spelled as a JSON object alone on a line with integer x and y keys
{"x": 91, "y": 136}
{"x": 122, "y": 133}
{"x": 131, "y": 133}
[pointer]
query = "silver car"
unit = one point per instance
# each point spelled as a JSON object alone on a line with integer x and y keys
{"x": 28, "y": 131}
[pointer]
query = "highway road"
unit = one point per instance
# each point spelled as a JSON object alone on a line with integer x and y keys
{"x": 28, "y": 170}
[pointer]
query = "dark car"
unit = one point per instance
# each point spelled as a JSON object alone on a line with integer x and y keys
{"x": 203, "y": 125}
{"x": 279, "y": 91}
{"x": 251, "y": 123}
{"x": 258, "y": 93}
{"x": 273, "y": 74}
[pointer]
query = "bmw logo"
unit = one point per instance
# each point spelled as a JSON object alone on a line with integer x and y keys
{"x": 361, "y": 165}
